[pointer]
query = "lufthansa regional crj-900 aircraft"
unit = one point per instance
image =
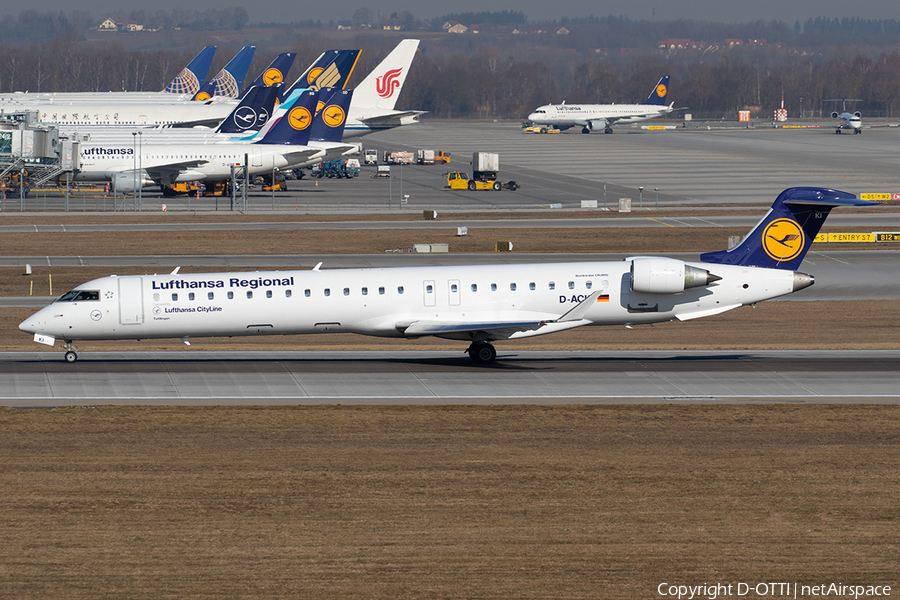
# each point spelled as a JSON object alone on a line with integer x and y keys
{"x": 593, "y": 117}
{"x": 479, "y": 304}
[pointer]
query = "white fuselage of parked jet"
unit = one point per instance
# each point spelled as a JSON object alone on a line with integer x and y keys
{"x": 595, "y": 116}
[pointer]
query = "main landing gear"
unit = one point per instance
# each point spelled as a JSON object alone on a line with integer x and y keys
{"x": 482, "y": 353}
{"x": 71, "y": 351}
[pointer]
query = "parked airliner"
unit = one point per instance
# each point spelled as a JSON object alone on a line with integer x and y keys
{"x": 592, "y": 117}
{"x": 479, "y": 304}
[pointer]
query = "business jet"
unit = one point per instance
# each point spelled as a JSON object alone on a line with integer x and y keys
{"x": 282, "y": 144}
{"x": 591, "y": 117}
{"x": 478, "y": 304}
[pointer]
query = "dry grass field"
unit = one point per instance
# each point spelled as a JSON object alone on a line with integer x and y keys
{"x": 443, "y": 502}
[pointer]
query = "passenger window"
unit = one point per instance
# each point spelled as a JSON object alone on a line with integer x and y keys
{"x": 474, "y": 287}
{"x": 191, "y": 296}
{"x": 156, "y": 297}
{"x": 327, "y": 291}
{"x": 381, "y": 291}
{"x": 307, "y": 293}
{"x": 174, "y": 297}
{"x": 210, "y": 296}
{"x": 346, "y": 291}
{"x": 365, "y": 291}
{"x": 531, "y": 286}
{"x": 231, "y": 295}
{"x": 454, "y": 288}
{"x": 287, "y": 293}
{"x": 571, "y": 285}
{"x": 512, "y": 287}
{"x": 400, "y": 289}
{"x": 429, "y": 289}
{"x": 588, "y": 285}
{"x": 249, "y": 294}
{"x": 493, "y": 287}
{"x": 268, "y": 293}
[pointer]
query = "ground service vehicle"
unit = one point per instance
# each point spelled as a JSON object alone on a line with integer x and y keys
{"x": 425, "y": 157}
{"x": 460, "y": 181}
{"x": 485, "y": 166}
{"x": 371, "y": 156}
{"x": 441, "y": 157}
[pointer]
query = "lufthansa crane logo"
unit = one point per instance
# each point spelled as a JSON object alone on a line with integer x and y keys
{"x": 783, "y": 239}
{"x": 333, "y": 115}
{"x": 313, "y": 74}
{"x": 299, "y": 118}
{"x": 202, "y": 96}
{"x": 272, "y": 76}
{"x": 661, "y": 90}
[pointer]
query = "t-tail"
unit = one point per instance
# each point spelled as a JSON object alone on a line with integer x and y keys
{"x": 230, "y": 79}
{"x": 193, "y": 76}
{"x": 658, "y": 95}
{"x": 383, "y": 85}
{"x": 253, "y": 112}
{"x": 781, "y": 239}
{"x": 294, "y": 126}
{"x": 329, "y": 121}
{"x": 332, "y": 69}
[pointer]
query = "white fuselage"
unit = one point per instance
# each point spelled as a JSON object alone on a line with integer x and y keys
{"x": 564, "y": 116}
{"x": 392, "y": 302}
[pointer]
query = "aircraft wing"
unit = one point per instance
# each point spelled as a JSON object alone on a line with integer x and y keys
{"x": 499, "y": 329}
{"x": 295, "y": 157}
{"x": 391, "y": 117}
{"x": 168, "y": 173}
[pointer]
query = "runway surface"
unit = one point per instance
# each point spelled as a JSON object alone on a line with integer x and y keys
{"x": 41, "y": 380}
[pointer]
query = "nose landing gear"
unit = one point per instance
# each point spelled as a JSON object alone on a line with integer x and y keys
{"x": 71, "y": 351}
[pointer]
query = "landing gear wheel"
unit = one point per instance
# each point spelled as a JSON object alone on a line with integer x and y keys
{"x": 482, "y": 353}
{"x": 607, "y": 130}
{"x": 71, "y": 357}
{"x": 837, "y": 131}
{"x": 585, "y": 130}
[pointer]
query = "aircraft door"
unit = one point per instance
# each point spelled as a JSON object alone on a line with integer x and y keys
{"x": 453, "y": 292}
{"x": 131, "y": 300}
{"x": 429, "y": 292}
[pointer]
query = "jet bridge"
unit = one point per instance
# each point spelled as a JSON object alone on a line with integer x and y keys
{"x": 32, "y": 153}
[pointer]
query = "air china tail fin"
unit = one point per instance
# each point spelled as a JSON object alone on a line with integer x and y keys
{"x": 780, "y": 240}
{"x": 230, "y": 79}
{"x": 253, "y": 111}
{"x": 193, "y": 76}
{"x": 276, "y": 71}
{"x": 332, "y": 69}
{"x": 382, "y": 86}
{"x": 658, "y": 95}
{"x": 294, "y": 126}
{"x": 328, "y": 124}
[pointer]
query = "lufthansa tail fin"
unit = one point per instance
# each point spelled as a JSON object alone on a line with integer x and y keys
{"x": 230, "y": 79}
{"x": 193, "y": 76}
{"x": 253, "y": 111}
{"x": 328, "y": 124}
{"x": 276, "y": 71}
{"x": 658, "y": 95}
{"x": 294, "y": 125}
{"x": 383, "y": 85}
{"x": 780, "y": 240}
{"x": 332, "y": 69}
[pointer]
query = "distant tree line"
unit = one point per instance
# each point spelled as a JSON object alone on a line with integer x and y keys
{"x": 503, "y": 76}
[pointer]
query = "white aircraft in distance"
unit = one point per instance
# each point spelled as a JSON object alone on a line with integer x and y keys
{"x": 479, "y": 304}
{"x": 602, "y": 116}
{"x": 851, "y": 121}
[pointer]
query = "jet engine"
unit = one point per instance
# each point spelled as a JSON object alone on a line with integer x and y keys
{"x": 834, "y": 115}
{"x": 597, "y": 124}
{"x": 857, "y": 114}
{"x": 667, "y": 276}
{"x": 125, "y": 183}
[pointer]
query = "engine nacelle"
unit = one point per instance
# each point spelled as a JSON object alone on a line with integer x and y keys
{"x": 597, "y": 124}
{"x": 857, "y": 114}
{"x": 834, "y": 115}
{"x": 126, "y": 183}
{"x": 666, "y": 276}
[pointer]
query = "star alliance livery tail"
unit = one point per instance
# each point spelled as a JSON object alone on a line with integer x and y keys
{"x": 658, "y": 95}
{"x": 382, "y": 86}
{"x": 780, "y": 240}
{"x": 229, "y": 81}
{"x": 193, "y": 76}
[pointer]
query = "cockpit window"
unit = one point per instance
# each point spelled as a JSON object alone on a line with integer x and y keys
{"x": 80, "y": 296}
